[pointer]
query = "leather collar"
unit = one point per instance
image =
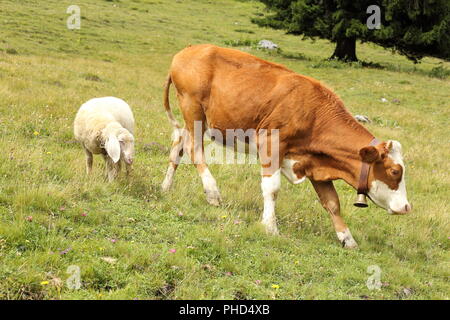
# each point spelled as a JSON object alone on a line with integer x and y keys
{"x": 363, "y": 185}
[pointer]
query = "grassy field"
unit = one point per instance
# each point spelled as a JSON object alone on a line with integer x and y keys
{"x": 128, "y": 239}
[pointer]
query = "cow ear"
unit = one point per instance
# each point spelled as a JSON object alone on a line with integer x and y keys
{"x": 112, "y": 147}
{"x": 394, "y": 146}
{"x": 389, "y": 145}
{"x": 369, "y": 154}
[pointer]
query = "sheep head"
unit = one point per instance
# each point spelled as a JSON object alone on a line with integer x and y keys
{"x": 120, "y": 145}
{"x": 126, "y": 141}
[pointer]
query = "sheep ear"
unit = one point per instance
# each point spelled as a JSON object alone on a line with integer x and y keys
{"x": 112, "y": 147}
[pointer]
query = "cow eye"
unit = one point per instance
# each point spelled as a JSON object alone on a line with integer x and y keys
{"x": 395, "y": 172}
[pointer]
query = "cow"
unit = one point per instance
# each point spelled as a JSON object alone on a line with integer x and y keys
{"x": 317, "y": 138}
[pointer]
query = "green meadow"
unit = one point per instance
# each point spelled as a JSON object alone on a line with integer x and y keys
{"x": 131, "y": 241}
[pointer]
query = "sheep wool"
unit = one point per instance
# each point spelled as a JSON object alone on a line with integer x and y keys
{"x": 106, "y": 126}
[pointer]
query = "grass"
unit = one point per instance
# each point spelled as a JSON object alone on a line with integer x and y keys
{"x": 120, "y": 235}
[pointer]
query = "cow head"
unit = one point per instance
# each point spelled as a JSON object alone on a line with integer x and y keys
{"x": 386, "y": 182}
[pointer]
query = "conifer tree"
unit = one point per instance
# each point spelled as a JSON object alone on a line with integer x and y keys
{"x": 414, "y": 28}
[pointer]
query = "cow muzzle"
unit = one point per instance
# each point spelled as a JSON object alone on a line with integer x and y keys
{"x": 407, "y": 208}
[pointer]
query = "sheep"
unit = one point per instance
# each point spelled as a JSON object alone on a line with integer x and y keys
{"x": 105, "y": 126}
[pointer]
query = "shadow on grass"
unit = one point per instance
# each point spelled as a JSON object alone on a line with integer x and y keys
{"x": 141, "y": 188}
{"x": 438, "y": 72}
{"x": 287, "y": 55}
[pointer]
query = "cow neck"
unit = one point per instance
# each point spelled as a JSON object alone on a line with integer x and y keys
{"x": 344, "y": 146}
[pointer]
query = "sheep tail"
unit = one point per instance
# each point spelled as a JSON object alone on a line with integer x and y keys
{"x": 169, "y": 113}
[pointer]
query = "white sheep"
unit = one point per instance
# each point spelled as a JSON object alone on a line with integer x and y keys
{"x": 106, "y": 126}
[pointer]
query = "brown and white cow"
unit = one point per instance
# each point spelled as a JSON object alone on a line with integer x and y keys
{"x": 318, "y": 138}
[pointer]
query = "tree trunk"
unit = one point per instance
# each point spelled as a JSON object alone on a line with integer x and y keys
{"x": 345, "y": 50}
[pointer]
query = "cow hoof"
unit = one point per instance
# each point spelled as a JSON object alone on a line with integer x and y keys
{"x": 214, "y": 198}
{"x": 346, "y": 238}
{"x": 350, "y": 244}
{"x": 271, "y": 229}
{"x": 165, "y": 187}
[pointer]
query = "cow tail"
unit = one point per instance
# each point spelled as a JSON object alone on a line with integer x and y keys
{"x": 169, "y": 113}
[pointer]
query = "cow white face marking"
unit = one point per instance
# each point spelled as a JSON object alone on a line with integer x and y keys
{"x": 395, "y": 201}
{"x": 287, "y": 168}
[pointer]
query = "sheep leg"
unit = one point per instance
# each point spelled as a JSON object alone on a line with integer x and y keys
{"x": 105, "y": 157}
{"x": 129, "y": 169}
{"x": 89, "y": 161}
{"x": 112, "y": 169}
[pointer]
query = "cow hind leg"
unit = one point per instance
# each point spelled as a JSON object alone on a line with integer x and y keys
{"x": 330, "y": 201}
{"x": 176, "y": 153}
{"x": 196, "y": 152}
{"x": 196, "y": 127}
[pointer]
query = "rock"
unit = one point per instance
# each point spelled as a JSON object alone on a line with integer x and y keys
{"x": 362, "y": 118}
{"x": 267, "y": 44}
{"x": 207, "y": 267}
{"x": 109, "y": 260}
{"x": 56, "y": 282}
{"x": 407, "y": 291}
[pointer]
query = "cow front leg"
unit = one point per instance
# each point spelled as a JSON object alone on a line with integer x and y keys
{"x": 270, "y": 185}
{"x": 330, "y": 201}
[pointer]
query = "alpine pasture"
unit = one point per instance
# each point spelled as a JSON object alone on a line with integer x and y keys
{"x": 129, "y": 240}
